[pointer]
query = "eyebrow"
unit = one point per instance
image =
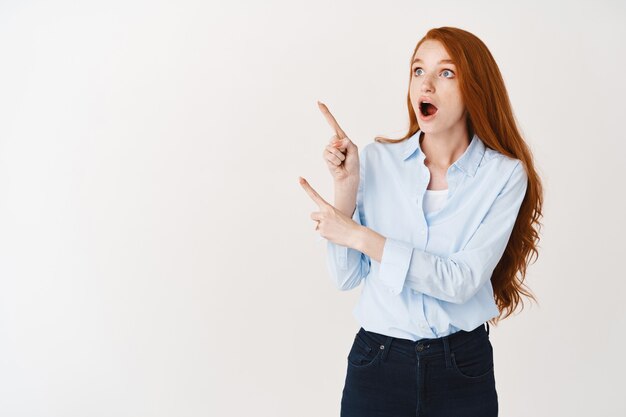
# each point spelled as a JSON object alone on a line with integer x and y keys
{"x": 443, "y": 61}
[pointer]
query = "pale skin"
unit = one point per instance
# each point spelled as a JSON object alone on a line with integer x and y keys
{"x": 444, "y": 140}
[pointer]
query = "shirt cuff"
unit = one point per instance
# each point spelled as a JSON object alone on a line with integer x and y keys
{"x": 394, "y": 264}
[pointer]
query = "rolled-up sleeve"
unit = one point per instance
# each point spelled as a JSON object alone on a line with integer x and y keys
{"x": 395, "y": 263}
{"x": 460, "y": 276}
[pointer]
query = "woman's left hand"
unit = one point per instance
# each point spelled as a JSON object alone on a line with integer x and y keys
{"x": 331, "y": 222}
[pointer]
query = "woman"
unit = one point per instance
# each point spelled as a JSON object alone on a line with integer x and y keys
{"x": 437, "y": 225}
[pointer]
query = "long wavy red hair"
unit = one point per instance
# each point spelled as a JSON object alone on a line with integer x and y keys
{"x": 491, "y": 118}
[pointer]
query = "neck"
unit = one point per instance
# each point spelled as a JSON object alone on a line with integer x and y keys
{"x": 442, "y": 149}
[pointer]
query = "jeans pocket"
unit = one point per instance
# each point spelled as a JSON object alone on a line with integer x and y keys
{"x": 364, "y": 352}
{"x": 474, "y": 359}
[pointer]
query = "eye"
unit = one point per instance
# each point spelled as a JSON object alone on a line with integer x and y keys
{"x": 447, "y": 70}
{"x": 444, "y": 71}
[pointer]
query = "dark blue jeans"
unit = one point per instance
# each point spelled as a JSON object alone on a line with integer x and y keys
{"x": 447, "y": 376}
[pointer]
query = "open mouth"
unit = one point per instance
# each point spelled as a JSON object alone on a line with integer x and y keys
{"x": 427, "y": 109}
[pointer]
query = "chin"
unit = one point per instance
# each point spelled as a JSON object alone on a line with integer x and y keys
{"x": 429, "y": 127}
{"x": 433, "y": 130}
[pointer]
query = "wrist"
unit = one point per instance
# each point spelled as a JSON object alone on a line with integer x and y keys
{"x": 360, "y": 237}
{"x": 347, "y": 183}
{"x": 368, "y": 242}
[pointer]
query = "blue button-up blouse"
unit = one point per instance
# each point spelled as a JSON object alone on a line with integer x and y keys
{"x": 434, "y": 275}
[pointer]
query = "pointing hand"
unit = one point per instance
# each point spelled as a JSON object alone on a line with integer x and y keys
{"x": 341, "y": 154}
{"x": 331, "y": 223}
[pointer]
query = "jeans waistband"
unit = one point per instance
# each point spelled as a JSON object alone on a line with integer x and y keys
{"x": 427, "y": 346}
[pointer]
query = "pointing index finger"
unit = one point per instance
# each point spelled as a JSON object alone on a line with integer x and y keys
{"x": 331, "y": 120}
{"x": 313, "y": 194}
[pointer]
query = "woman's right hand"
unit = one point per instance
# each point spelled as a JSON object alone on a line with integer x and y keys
{"x": 341, "y": 154}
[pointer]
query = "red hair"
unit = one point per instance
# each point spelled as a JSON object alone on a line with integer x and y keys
{"x": 490, "y": 117}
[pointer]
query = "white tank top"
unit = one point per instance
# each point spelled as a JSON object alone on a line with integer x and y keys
{"x": 434, "y": 200}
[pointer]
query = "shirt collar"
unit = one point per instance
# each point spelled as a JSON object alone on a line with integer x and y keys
{"x": 468, "y": 162}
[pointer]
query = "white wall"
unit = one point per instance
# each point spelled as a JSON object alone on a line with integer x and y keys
{"x": 157, "y": 257}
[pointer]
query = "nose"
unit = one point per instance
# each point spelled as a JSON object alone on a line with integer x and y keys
{"x": 427, "y": 84}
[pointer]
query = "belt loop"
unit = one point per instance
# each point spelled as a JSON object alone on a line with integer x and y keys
{"x": 487, "y": 326}
{"x": 387, "y": 346}
{"x": 446, "y": 348}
